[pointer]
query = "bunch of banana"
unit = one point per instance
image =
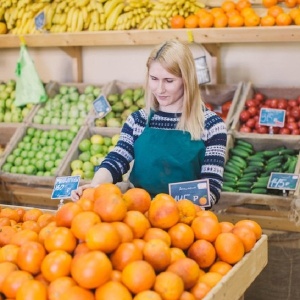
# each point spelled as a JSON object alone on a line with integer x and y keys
{"x": 112, "y": 10}
{"x": 134, "y": 12}
{"x": 95, "y": 18}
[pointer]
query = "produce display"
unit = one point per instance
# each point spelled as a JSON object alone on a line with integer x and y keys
{"x": 114, "y": 245}
{"x": 67, "y": 107}
{"x": 91, "y": 151}
{"x": 249, "y": 116}
{"x": 9, "y": 113}
{"x": 248, "y": 171}
{"x": 221, "y": 110}
{"x": 122, "y": 105}
{"x": 39, "y": 151}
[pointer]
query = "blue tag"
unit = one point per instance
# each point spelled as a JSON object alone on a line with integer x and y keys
{"x": 197, "y": 191}
{"x": 272, "y": 117}
{"x": 101, "y": 106}
{"x": 63, "y": 186}
{"x": 283, "y": 181}
{"x": 39, "y": 20}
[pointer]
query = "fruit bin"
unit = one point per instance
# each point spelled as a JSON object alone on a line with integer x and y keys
{"x": 278, "y": 98}
{"x": 275, "y": 212}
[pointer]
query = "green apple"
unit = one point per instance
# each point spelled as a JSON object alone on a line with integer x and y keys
{"x": 88, "y": 175}
{"x": 77, "y": 172}
{"x": 40, "y": 165}
{"x": 47, "y": 120}
{"x": 17, "y": 151}
{"x": 97, "y": 139}
{"x": 76, "y": 164}
{"x": 30, "y": 170}
{"x": 49, "y": 165}
{"x": 14, "y": 169}
{"x": 10, "y": 158}
{"x": 87, "y": 166}
{"x": 26, "y": 162}
{"x": 95, "y": 149}
{"x": 97, "y": 159}
{"x": 84, "y": 156}
{"x": 6, "y": 167}
{"x": 21, "y": 169}
{"x": 84, "y": 145}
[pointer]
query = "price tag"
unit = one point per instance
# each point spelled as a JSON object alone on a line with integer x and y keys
{"x": 63, "y": 186}
{"x": 101, "y": 106}
{"x": 197, "y": 191}
{"x": 283, "y": 181}
{"x": 272, "y": 117}
{"x": 39, "y": 20}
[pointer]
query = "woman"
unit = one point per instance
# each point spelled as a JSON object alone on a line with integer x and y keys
{"x": 175, "y": 138}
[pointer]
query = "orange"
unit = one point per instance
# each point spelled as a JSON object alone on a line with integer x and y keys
{"x": 187, "y": 211}
{"x": 66, "y": 213}
{"x": 235, "y": 21}
{"x": 207, "y": 213}
{"x": 240, "y": 4}
{"x": 137, "y": 199}
{"x": 86, "y": 204}
{"x": 187, "y": 296}
{"x": 216, "y": 11}
{"x": 252, "y": 225}
{"x": 4, "y": 221}
{"x": 32, "y": 290}
{"x": 206, "y": 20}
{"x": 110, "y": 208}
{"x": 210, "y": 278}
{"x": 112, "y": 290}
{"x": 45, "y": 232}
{"x": 182, "y": 236}
{"x": 246, "y": 235}
{"x": 176, "y": 253}
{"x": 177, "y": 22}
{"x": 251, "y": 20}
{"x": 206, "y": 228}
{"x": 220, "y": 21}
{"x": 297, "y": 20}
{"x": 13, "y": 282}
{"x": 81, "y": 248}
{"x": 229, "y": 247}
{"x": 137, "y": 222}
{"x": 228, "y": 5}
{"x": 203, "y": 252}
{"x": 187, "y": 269}
{"x": 157, "y": 233}
{"x": 140, "y": 243}
{"x": 103, "y": 236}
{"x": 274, "y": 11}
{"x": 76, "y": 292}
{"x": 226, "y": 226}
{"x": 22, "y": 236}
{"x": 92, "y": 269}
{"x": 9, "y": 253}
{"x": 82, "y": 222}
{"x": 124, "y": 231}
{"x": 30, "y": 257}
{"x": 124, "y": 254}
{"x": 88, "y": 194}
{"x": 45, "y": 219}
{"x": 40, "y": 277}
{"x": 294, "y": 12}
{"x": 10, "y": 213}
{"x": 221, "y": 267}
{"x": 138, "y": 276}
{"x": 32, "y": 214}
{"x": 21, "y": 211}
{"x": 267, "y": 20}
{"x": 269, "y": 3}
{"x": 61, "y": 238}
{"x": 105, "y": 189}
{"x": 200, "y": 290}
{"x": 283, "y": 19}
{"x": 6, "y": 234}
{"x": 6, "y": 267}
{"x": 290, "y": 3}
{"x": 56, "y": 264}
{"x": 58, "y": 286}
{"x": 30, "y": 224}
{"x": 233, "y": 12}
{"x": 116, "y": 275}
{"x": 158, "y": 254}
{"x": 246, "y": 11}
{"x": 168, "y": 285}
{"x": 163, "y": 212}
{"x": 200, "y": 12}
{"x": 191, "y": 21}
{"x": 147, "y": 295}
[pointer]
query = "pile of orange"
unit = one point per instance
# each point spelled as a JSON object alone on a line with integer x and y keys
{"x": 241, "y": 13}
{"x": 110, "y": 245}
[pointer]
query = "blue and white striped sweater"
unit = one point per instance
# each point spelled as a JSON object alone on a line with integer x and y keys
{"x": 214, "y": 137}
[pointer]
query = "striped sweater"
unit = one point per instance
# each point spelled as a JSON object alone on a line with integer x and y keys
{"x": 214, "y": 137}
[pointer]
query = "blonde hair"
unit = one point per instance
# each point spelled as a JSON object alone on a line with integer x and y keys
{"x": 176, "y": 57}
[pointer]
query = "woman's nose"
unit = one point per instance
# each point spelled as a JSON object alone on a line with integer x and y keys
{"x": 161, "y": 87}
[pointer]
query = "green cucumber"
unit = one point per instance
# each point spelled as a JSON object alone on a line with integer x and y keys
{"x": 239, "y": 152}
{"x": 228, "y": 189}
{"x": 259, "y": 191}
{"x": 256, "y": 163}
{"x": 244, "y": 143}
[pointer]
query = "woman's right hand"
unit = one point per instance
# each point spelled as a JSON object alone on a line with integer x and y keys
{"x": 76, "y": 194}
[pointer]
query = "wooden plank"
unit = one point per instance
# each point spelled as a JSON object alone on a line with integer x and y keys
{"x": 257, "y": 212}
{"x": 153, "y": 37}
{"x": 234, "y": 284}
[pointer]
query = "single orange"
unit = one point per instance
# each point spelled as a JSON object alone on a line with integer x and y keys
{"x": 252, "y": 225}
{"x": 226, "y": 226}
{"x": 137, "y": 199}
{"x": 137, "y": 222}
{"x": 58, "y": 286}
{"x": 176, "y": 253}
{"x": 216, "y": 11}
{"x": 251, "y": 20}
{"x": 246, "y": 11}
{"x": 228, "y": 5}
{"x": 32, "y": 214}
{"x": 206, "y": 228}
{"x": 290, "y": 3}
{"x": 240, "y": 4}
{"x": 32, "y": 289}
{"x": 220, "y": 21}
{"x": 267, "y": 20}
{"x": 200, "y": 290}
{"x": 112, "y": 290}
{"x": 182, "y": 236}
{"x": 294, "y": 12}
{"x": 210, "y": 278}
{"x": 157, "y": 233}
{"x": 221, "y": 267}
{"x": 177, "y": 22}
{"x": 191, "y": 21}
{"x": 206, "y": 20}
{"x": 233, "y": 12}
{"x": 269, "y": 3}
{"x": 246, "y": 235}
{"x": 283, "y": 19}
{"x": 275, "y": 10}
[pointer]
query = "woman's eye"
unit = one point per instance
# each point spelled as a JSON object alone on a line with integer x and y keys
{"x": 153, "y": 78}
{"x": 169, "y": 80}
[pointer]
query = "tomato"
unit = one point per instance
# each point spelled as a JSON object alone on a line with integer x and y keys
{"x": 290, "y": 119}
{"x": 226, "y": 106}
{"x": 274, "y": 103}
{"x": 259, "y": 96}
{"x": 276, "y": 130}
{"x": 293, "y": 103}
{"x": 251, "y": 102}
{"x": 251, "y": 123}
{"x": 245, "y": 129}
{"x": 244, "y": 116}
{"x": 263, "y": 129}
{"x": 295, "y": 113}
{"x": 209, "y": 106}
{"x": 268, "y": 102}
{"x": 295, "y": 132}
{"x": 282, "y": 104}
{"x": 298, "y": 100}
{"x": 253, "y": 110}
{"x": 284, "y": 130}
{"x": 292, "y": 125}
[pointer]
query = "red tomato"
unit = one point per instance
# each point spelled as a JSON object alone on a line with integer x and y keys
{"x": 290, "y": 119}
{"x": 259, "y": 96}
{"x": 295, "y": 132}
{"x": 292, "y": 125}
{"x": 274, "y": 103}
{"x": 284, "y": 130}
{"x": 253, "y": 110}
{"x": 251, "y": 102}
{"x": 282, "y": 104}
{"x": 244, "y": 116}
{"x": 293, "y": 103}
{"x": 251, "y": 123}
{"x": 263, "y": 129}
{"x": 245, "y": 129}
{"x": 295, "y": 113}
{"x": 226, "y": 106}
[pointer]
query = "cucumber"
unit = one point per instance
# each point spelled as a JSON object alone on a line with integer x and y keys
{"x": 256, "y": 163}
{"x": 288, "y": 152}
{"x": 244, "y": 143}
{"x": 249, "y": 175}
{"x": 244, "y": 190}
{"x": 292, "y": 166}
{"x": 244, "y": 184}
{"x": 239, "y": 152}
{"x": 271, "y": 153}
{"x": 242, "y": 148}
{"x": 233, "y": 170}
{"x": 272, "y": 166}
{"x": 259, "y": 191}
{"x": 238, "y": 161}
{"x": 228, "y": 189}
{"x": 250, "y": 169}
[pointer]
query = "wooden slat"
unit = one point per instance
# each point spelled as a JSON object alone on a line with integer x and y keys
{"x": 153, "y": 37}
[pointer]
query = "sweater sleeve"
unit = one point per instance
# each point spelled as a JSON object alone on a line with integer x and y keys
{"x": 215, "y": 139}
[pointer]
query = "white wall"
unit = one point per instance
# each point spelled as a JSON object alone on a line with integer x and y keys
{"x": 264, "y": 64}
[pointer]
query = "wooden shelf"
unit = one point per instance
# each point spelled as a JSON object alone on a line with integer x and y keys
{"x": 152, "y": 37}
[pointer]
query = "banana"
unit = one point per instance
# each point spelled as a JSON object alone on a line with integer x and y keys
{"x": 69, "y": 17}
{"x": 112, "y": 18}
{"x": 80, "y": 22}
{"x": 82, "y": 3}
{"x": 110, "y": 5}
{"x": 75, "y": 20}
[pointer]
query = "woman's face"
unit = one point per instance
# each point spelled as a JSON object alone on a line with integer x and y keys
{"x": 166, "y": 88}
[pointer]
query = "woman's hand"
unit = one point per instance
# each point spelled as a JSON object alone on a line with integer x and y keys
{"x": 76, "y": 194}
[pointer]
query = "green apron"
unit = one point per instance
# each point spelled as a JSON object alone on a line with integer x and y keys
{"x": 164, "y": 156}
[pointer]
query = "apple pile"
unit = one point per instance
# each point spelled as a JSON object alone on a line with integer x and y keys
{"x": 122, "y": 105}
{"x": 249, "y": 117}
{"x": 91, "y": 152}
{"x": 9, "y": 113}
{"x": 39, "y": 152}
{"x": 68, "y": 107}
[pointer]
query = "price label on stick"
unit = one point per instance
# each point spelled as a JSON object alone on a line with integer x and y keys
{"x": 197, "y": 191}
{"x": 283, "y": 181}
{"x": 272, "y": 117}
{"x": 63, "y": 186}
{"x": 39, "y": 20}
{"x": 101, "y": 106}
